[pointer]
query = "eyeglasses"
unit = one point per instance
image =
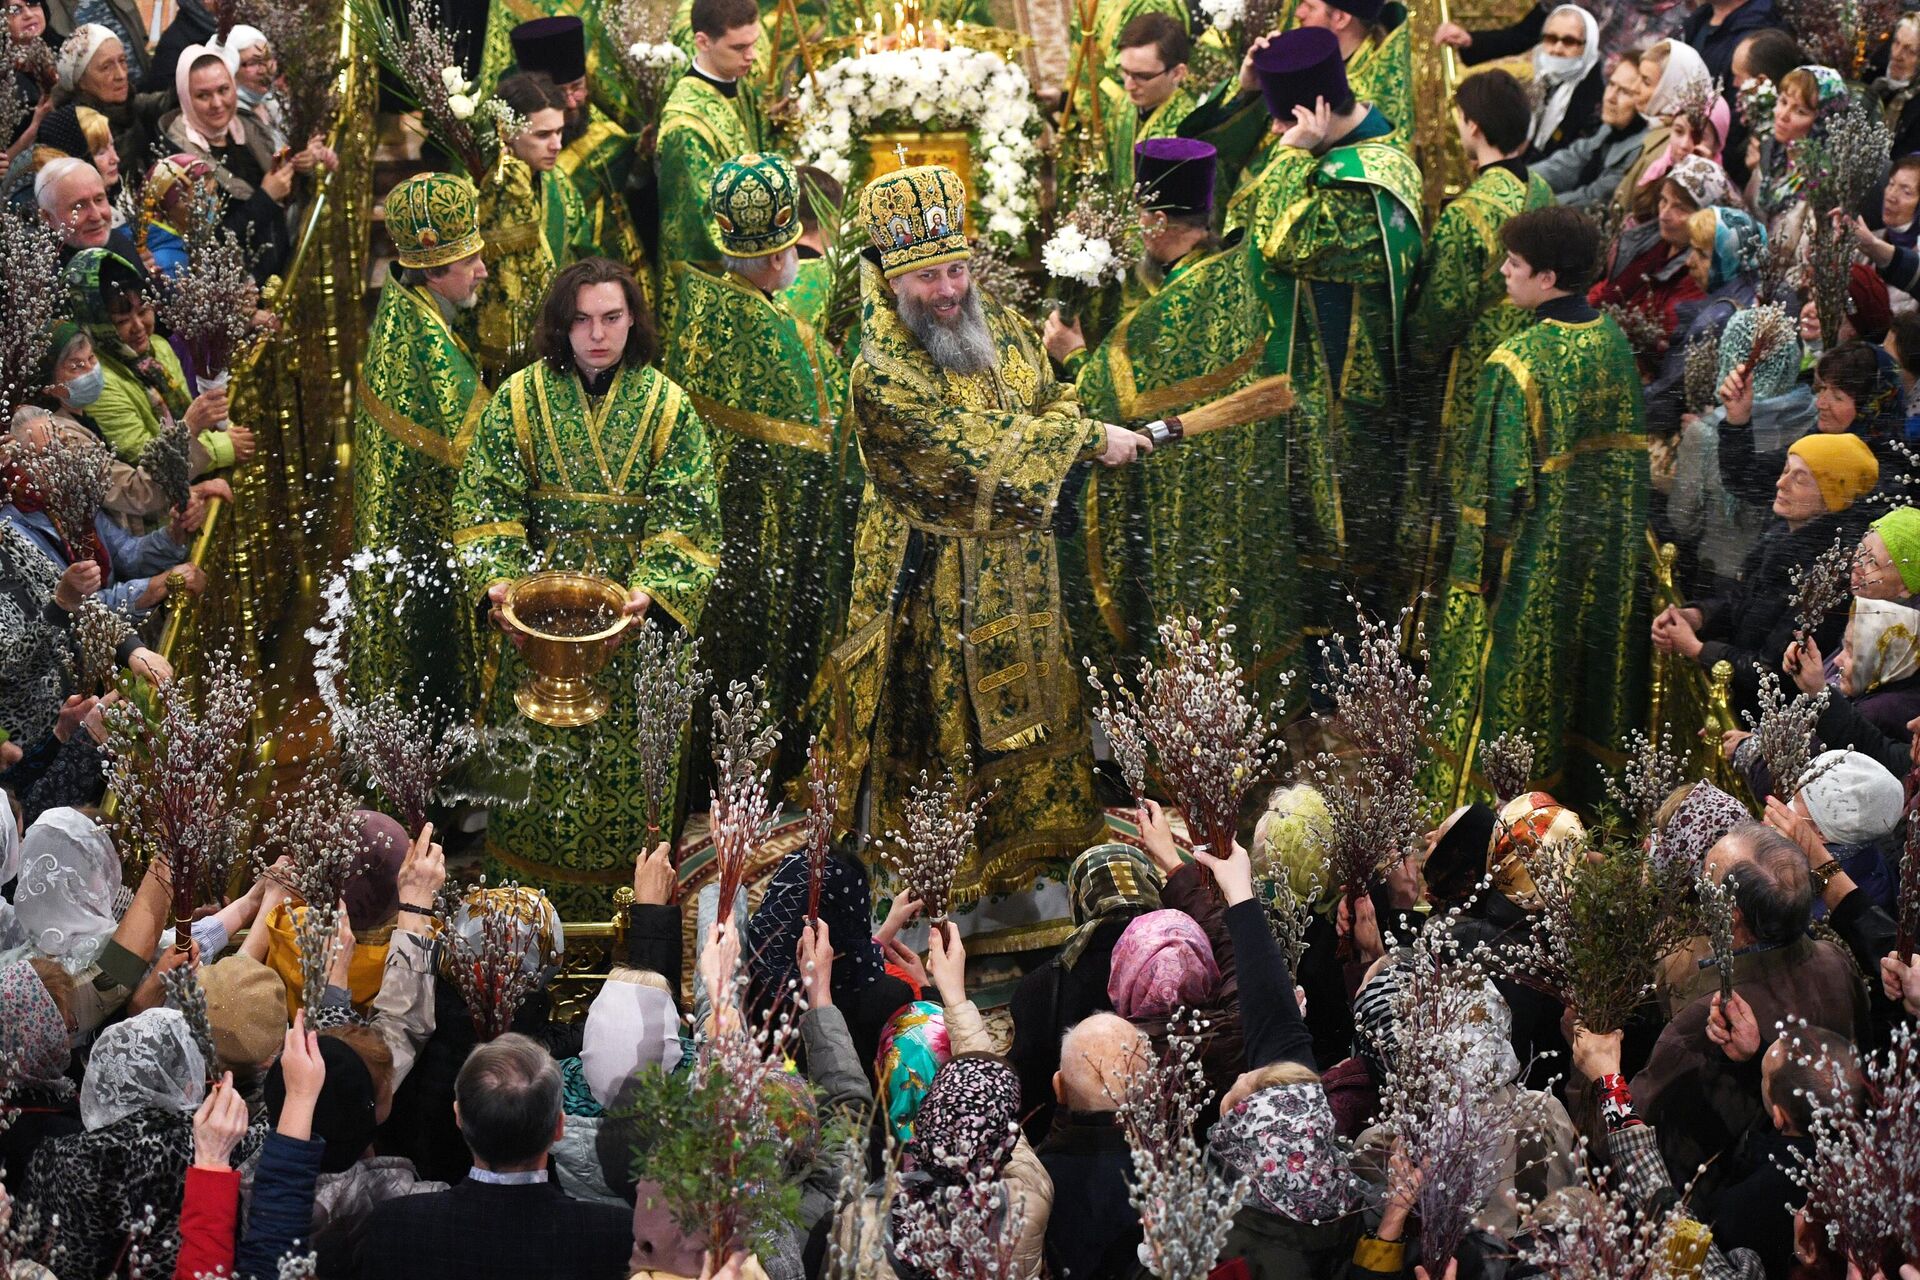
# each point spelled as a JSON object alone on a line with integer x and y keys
{"x": 1564, "y": 42}
{"x": 1138, "y": 77}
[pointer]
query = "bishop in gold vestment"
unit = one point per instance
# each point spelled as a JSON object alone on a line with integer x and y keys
{"x": 956, "y": 656}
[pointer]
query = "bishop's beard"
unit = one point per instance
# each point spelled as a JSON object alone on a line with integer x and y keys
{"x": 961, "y": 345}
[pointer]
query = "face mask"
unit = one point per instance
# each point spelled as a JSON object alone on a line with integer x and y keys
{"x": 249, "y": 98}
{"x": 85, "y": 389}
{"x": 1551, "y": 66}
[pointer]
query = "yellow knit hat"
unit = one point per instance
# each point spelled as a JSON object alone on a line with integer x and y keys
{"x": 1842, "y": 465}
{"x": 917, "y": 218}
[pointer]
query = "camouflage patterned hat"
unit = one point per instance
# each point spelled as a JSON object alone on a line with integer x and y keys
{"x": 755, "y": 203}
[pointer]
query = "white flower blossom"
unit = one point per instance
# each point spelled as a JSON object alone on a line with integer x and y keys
{"x": 461, "y": 105}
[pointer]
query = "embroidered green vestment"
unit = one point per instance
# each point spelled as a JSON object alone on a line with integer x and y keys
{"x": 773, "y": 398}
{"x": 417, "y": 406}
{"x": 700, "y": 129}
{"x": 620, "y": 484}
{"x": 1544, "y": 625}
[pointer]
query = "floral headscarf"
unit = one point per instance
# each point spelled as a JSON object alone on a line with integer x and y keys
{"x": 1482, "y": 1045}
{"x": 1884, "y": 639}
{"x": 1704, "y": 181}
{"x": 846, "y": 905}
{"x": 77, "y": 54}
{"x": 1707, "y": 814}
{"x": 913, "y": 1048}
{"x": 970, "y": 1120}
{"x": 147, "y": 1063}
{"x": 69, "y": 877}
{"x": 1104, "y": 883}
{"x": 1739, "y": 245}
{"x": 1162, "y": 961}
{"x": 1777, "y": 373}
{"x": 168, "y": 172}
{"x": 1283, "y": 1138}
{"x": 33, "y": 1035}
{"x": 90, "y": 275}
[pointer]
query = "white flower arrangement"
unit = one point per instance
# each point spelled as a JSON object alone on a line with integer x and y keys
{"x": 932, "y": 88}
{"x": 1223, "y": 14}
{"x": 663, "y": 56}
{"x": 1071, "y": 255}
{"x": 454, "y": 82}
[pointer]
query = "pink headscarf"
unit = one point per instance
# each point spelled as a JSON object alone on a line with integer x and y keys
{"x": 1162, "y": 961}
{"x": 198, "y": 132}
{"x": 1719, "y": 118}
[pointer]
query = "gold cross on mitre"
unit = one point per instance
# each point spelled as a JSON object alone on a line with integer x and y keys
{"x": 900, "y": 153}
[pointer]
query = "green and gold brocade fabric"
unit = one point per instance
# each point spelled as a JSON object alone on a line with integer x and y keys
{"x": 621, "y": 485}
{"x": 608, "y": 85}
{"x": 1197, "y": 521}
{"x": 1110, "y": 18}
{"x": 1544, "y": 624}
{"x": 955, "y": 648}
{"x": 773, "y": 399}
{"x": 534, "y": 225}
{"x": 416, "y": 409}
{"x": 1340, "y": 235}
{"x": 1459, "y": 314}
{"x": 700, "y": 129}
{"x": 597, "y": 163}
{"x": 807, "y": 296}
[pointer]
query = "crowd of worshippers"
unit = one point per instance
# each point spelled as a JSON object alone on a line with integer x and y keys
{"x": 375, "y": 1133}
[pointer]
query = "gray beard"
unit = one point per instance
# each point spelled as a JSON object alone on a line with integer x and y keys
{"x": 965, "y": 346}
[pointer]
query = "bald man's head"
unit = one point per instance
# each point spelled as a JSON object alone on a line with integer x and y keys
{"x": 1097, "y": 1055}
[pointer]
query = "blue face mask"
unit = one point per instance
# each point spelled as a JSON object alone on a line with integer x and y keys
{"x": 85, "y": 389}
{"x": 249, "y": 98}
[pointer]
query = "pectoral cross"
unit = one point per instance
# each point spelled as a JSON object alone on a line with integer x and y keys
{"x": 900, "y": 153}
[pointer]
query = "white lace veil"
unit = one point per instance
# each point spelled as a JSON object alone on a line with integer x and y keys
{"x": 68, "y": 878}
{"x": 148, "y": 1062}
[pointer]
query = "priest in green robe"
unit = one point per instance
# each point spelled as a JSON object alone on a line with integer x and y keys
{"x": 712, "y": 115}
{"x": 587, "y": 459}
{"x": 773, "y": 398}
{"x": 1110, "y": 19}
{"x": 1460, "y": 311}
{"x": 1194, "y": 523}
{"x": 1543, "y": 628}
{"x": 1336, "y": 220}
{"x": 955, "y": 654}
{"x": 1375, "y": 48}
{"x": 596, "y": 153}
{"x": 535, "y": 223}
{"x": 1149, "y": 95}
{"x": 416, "y": 408}
{"x": 606, "y": 82}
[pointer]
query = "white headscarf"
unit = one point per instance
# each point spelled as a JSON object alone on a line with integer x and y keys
{"x": 631, "y": 1023}
{"x": 1885, "y": 640}
{"x": 147, "y": 1063}
{"x": 76, "y": 55}
{"x": 1558, "y": 77}
{"x": 197, "y": 131}
{"x": 1685, "y": 68}
{"x": 242, "y": 38}
{"x": 69, "y": 878}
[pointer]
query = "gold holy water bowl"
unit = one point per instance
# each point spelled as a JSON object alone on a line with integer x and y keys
{"x": 568, "y": 620}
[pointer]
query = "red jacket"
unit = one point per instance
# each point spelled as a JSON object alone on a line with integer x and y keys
{"x": 209, "y": 1223}
{"x": 1655, "y": 283}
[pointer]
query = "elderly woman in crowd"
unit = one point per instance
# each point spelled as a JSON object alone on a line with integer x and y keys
{"x": 1814, "y": 504}
{"x": 1715, "y": 528}
{"x": 145, "y": 388}
{"x": 179, "y": 187}
{"x": 1856, "y": 391}
{"x": 1726, "y": 248}
{"x": 94, "y": 74}
{"x": 1569, "y": 71}
{"x": 144, "y": 1080}
{"x": 1650, "y": 267}
{"x": 254, "y": 80}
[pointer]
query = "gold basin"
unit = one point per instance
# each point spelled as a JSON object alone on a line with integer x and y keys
{"x": 564, "y": 617}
